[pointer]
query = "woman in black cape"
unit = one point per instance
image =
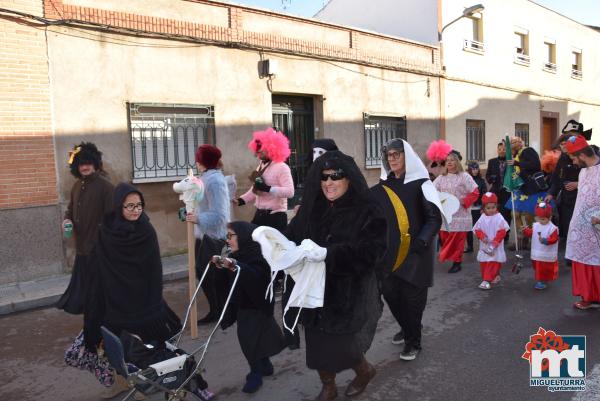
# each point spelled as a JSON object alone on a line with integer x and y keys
{"x": 258, "y": 333}
{"x": 126, "y": 294}
{"x": 338, "y": 214}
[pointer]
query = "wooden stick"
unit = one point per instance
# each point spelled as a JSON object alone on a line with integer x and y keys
{"x": 191, "y": 240}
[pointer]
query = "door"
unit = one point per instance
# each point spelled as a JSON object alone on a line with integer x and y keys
{"x": 549, "y": 133}
{"x": 293, "y": 115}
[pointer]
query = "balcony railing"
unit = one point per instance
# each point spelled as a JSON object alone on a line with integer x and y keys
{"x": 550, "y": 67}
{"x": 473, "y": 46}
{"x": 577, "y": 74}
{"x": 522, "y": 59}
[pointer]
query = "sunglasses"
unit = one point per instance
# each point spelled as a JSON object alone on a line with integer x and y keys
{"x": 336, "y": 176}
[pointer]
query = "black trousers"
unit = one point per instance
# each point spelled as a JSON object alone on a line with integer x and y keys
{"x": 475, "y": 214}
{"x": 216, "y": 282}
{"x": 264, "y": 217}
{"x": 407, "y": 303}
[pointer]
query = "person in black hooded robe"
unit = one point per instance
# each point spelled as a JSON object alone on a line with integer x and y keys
{"x": 338, "y": 213}
{"x": 127, "y": 292}
{"x": 258, "y": 333}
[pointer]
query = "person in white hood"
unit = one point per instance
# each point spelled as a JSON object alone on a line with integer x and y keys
{"x": 412, "y": 207}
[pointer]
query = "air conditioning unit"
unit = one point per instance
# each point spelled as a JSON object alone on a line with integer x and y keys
{"x": 268, "y": 67}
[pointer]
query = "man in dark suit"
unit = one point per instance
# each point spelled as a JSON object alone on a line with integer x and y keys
{"x": 495, "y": 177}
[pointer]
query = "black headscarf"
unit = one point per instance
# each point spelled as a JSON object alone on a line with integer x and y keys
{"x": 127, "y": 293}
{"x": 314, "y": 199}
{"x": 248, "y": 249}
{"x": 254, "y": 276}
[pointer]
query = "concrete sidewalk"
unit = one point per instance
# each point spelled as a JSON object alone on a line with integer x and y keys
{"x": 16, "y": 297}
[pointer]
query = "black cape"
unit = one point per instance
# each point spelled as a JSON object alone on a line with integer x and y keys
{"x": 424, "y": 221}
{"x": 258, "y": 332}
{"x": 352, "y": 229}
{"x": 127, "y": 290}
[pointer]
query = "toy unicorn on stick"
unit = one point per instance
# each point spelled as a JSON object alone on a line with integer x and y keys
{"x": 190, "y": 190}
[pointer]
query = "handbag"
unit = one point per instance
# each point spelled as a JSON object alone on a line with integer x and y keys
{"x": 540, "y": 181}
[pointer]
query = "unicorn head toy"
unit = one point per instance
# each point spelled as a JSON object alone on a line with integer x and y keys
{"x": 190, "y": 190}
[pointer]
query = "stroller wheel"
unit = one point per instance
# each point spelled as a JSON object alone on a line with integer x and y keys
{"x": 179, "y": 397}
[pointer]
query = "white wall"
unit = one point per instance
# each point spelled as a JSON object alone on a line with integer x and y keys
{"x": 411, "y": 19}
{"x": 496, "y": 66}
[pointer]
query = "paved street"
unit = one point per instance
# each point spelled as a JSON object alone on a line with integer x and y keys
{"x": 473, "y": 341}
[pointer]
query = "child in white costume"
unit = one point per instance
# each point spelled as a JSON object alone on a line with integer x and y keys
{"x": 544, "y": 246}
{"x": 491, "y": 228}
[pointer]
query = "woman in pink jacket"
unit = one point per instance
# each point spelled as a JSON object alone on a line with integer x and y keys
{"x": 272, "y": 182}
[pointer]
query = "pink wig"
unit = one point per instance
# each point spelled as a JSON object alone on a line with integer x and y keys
{"x": 438, "y": 150}
{"x": 549, "y": 160}
{"x": 274, "y": 143}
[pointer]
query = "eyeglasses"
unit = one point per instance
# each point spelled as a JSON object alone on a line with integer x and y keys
{"x": 394, "y": 155}
{"x": 132, "y": 206}
{"x": 336, "y": 176}
{"x": 230, "y": 235}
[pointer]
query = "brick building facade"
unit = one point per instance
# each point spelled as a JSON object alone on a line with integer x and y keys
{"x": 122, "y": 73}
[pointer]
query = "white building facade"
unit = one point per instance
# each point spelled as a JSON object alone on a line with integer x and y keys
{"x": 513, "y": 68}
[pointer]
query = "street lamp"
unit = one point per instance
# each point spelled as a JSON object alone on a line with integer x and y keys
{"x": 467, "y": 12}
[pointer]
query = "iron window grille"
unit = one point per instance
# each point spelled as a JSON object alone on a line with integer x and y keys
{"x": 476, "y": 140}
{"x": 164, "y": 139}
{"x": 378, "y": 130}
{"x": 522, "y": 131}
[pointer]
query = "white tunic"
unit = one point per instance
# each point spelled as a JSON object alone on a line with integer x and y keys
{"x": 539, "y": 251}
{"x": 490, "y": 225}
{"x": 583, "y": 241}
{"x": 459, "y": 185}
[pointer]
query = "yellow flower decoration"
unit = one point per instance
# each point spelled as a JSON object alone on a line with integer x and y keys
{"x": 72, "y": 154}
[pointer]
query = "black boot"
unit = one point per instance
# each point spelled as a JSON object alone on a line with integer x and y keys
{"x": 456, "y": 267}
{"x": 364, "y": 373}
{"x": 329, "y": 390}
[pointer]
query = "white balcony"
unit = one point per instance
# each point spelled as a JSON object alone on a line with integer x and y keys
{"x": 473, "y": 46}
{"x": 550, "y": 67}
{"x": 577, "y": 74}
{"x": 522, "y": 59}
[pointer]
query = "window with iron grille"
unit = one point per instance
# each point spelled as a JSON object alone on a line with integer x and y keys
{"x": 379, "y": 130}
{"x": 522, "y": 131}
{"x": 476, "y": 140}
{"x": 164, "y": 139}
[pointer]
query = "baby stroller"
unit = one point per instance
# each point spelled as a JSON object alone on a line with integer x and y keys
{"x": 178, "y": 372}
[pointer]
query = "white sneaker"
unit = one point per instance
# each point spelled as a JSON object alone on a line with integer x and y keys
{"x": 496, "y": 279}
{"x": 485, "y": 285}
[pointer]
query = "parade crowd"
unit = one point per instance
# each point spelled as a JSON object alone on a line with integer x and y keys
{"x": 363, "y": 245}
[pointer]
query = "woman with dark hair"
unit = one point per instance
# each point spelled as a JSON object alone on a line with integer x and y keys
{"x": 90, "y": 200}
{"x": 258, "y": 333}
{"x": 338, "y": 213}
{"x": 475, "y": 173}
{"x": 127, "y": 292}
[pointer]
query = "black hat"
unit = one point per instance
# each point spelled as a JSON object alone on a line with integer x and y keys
{"x": 574, "y": 127}
{"x": 457, "y": 153}
{"x": 325, "y": 143}
{"x": 84, "y": 153}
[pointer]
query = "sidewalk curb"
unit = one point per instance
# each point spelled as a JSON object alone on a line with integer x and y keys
{"x": 23, "y": 296}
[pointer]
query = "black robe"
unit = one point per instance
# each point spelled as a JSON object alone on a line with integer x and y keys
{"x": 424, "y": 221}
{"x": 127, "y": 287}
{"x": 258, "y": 332}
